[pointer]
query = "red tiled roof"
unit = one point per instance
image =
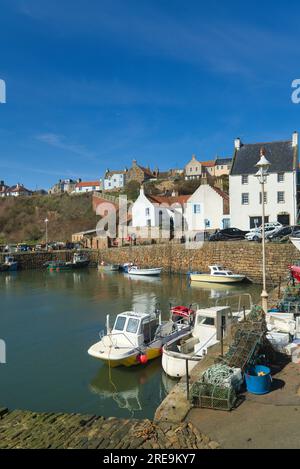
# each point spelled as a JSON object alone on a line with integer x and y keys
{"x": 223, "y": 194}
{"x": 208, "y": 163}
{"x": 181, "y": 199}
{"x": 88, "y": 184}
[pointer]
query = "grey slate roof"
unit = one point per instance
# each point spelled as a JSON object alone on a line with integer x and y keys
{"x": 281, "y": 155}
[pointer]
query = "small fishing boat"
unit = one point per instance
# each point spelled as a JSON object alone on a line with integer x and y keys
{"x": 10, "y": 264}
{"x": 218, "y": 274}
{"x": 137, "y": 338}
{"x": 103, "y": 267}
{"x": 206, "y": 332}
{"x": 124, "y": 267}
{"x": 79, "y": 261}
{"x": 134, "y": 270}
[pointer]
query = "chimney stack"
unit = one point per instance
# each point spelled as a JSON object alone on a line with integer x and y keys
{"x": 237, "y": 143}
{"x": 295, "y": 139}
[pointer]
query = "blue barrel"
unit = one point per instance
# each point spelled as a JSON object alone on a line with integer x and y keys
{"x": 258, "y": 384}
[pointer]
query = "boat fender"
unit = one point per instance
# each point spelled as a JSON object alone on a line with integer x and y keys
{"x": 142, "y": 359}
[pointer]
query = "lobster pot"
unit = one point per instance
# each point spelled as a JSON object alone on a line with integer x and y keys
{"x": 210, "y": 396}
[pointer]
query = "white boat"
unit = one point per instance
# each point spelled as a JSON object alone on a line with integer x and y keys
{"x": 136, "y": 338}
{"x": 296, "y": 242}
{"x": 218, "y": 274}
{"x": 206, "y": 332}
{"x": 10, "y": 264}
{"x": 209, "y": 326}
{"x": 134, "y": 270}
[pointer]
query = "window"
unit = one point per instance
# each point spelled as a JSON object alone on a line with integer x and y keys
{"x": 132, "y": 325}
{"x": 120, "y": 323}
{"x": 265, "y": 198}
{"x": 197, "y": 208}
{"x": 206, "y": 321}
{"x": 147, "y": 211}
{"x": 280, "y": 177}
{"x": 280, "y": 197}
{"x": 245, "y": 179}
{"x": 148, "y": 222}
{"x": 245, "y": 198}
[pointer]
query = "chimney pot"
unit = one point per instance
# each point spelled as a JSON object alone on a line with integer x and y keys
{"x": 237, "y": 143}
{"x": 295, "y": 139}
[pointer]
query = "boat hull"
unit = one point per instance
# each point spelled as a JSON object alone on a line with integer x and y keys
{"x": 217, "y": 279}
{"x": 128, "y": 361}
{"x": 145, "y": 272}
{"x": 175, "y": 366}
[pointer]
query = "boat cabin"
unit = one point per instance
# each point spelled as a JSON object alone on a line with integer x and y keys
{"x": 216, "y": 318}
{"x": 138, "y": 328}
{"x": 216, "y": 270}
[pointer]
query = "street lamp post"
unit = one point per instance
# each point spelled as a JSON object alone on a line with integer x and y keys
{"x": 46, "y": 223}
{"x": 262, "y": 174}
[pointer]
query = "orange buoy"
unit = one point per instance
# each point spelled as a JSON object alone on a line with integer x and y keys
{"x": 142, "y": 358}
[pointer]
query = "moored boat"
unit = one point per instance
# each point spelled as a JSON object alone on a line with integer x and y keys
{"x": 218, "y": 274}
{"x": 134, "y": 270}
{"x": 10, "y": 264}
{"x": 137, "y": 338}
{"x": 206, "y": 332}
{"x": 79, "y": 261}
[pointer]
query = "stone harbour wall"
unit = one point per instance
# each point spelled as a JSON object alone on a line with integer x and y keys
{"x": 240, "y": 256}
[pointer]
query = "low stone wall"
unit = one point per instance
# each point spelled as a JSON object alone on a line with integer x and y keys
{"x": 241, "y": 256}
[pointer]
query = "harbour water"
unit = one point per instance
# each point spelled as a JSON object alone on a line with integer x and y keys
{"x": 48, "y": 321}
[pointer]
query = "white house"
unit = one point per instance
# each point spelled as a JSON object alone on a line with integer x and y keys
{"x": 280, "y": 189}
{"x": 207, "y": 209}
{"x": 114, "y": 179}
{"x": 87, "y": 186}
{"x": 17, "y": 191}
{"x": 163, "y": 215}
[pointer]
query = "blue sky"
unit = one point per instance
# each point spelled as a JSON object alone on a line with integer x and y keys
{"x": 93, "y": 84}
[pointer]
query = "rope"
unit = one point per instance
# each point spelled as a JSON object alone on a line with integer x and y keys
{"x": 218, "y": 375}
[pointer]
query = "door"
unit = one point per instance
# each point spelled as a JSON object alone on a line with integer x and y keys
{"x": 255, "y": 222}
{"x": 284, "y": 219}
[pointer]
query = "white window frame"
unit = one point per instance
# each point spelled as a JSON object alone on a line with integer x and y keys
{"x": 242, "y": 198}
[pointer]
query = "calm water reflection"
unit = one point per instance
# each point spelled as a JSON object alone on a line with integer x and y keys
{"x": 48, "y": 322}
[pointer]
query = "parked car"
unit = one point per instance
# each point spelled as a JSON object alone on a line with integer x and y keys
{"x": 268, "y": 226}
{"x": 256, "y": 235}
{"x": 227, "y": 234}
{"x": 283, "y": 232}
{"x": 22, "y": 247}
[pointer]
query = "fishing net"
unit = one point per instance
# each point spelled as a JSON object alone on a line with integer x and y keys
{"x": 210, "y": 396}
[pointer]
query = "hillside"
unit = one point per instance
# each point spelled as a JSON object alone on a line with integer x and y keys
{"x": 22, "y": 219}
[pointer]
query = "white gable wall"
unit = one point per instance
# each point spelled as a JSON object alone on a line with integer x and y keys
{"x": 211, "y": 209}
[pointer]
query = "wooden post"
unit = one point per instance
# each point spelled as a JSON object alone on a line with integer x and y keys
{"x": 222, "y": 343}
{"x": 187, "y": 380}
{"x": 244, "y": 310}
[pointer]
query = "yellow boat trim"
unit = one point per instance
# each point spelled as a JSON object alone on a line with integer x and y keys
{"x": 151, "y": 353}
